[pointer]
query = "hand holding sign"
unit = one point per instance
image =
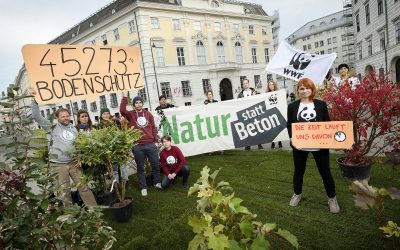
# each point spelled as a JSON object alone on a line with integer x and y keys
{"x": 65, "y": 72}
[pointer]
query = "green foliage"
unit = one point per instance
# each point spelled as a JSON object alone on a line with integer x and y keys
{"x": 107, "y": 146}
{"x": 224, "y": 223}
{"x": 34, "y": 218}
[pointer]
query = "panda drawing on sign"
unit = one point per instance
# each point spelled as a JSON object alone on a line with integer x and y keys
{"x": 307, "y": 115}
{"x": 300, "y": 61}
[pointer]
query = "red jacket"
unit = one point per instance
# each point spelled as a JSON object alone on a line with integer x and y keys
{"x": 172, "y": 160}
{"x": 143, "y": 121}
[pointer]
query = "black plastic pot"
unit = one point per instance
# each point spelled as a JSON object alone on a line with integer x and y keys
{"x": 354, "y": 172}
{"x": 105, "y": 198}
{"x": 122, "y": 214}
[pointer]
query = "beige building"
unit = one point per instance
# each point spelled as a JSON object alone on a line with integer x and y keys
{"x": 187, "y": 47}
{"x": 377, "y": 36}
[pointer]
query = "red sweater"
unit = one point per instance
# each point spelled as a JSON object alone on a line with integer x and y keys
{"x": 172, "y": 160}
{"x": 143, "y": 121}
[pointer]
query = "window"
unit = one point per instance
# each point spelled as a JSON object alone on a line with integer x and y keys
{"x": 369, "y": 46}
{"x": 103, "y": 102}
{"x": 251, "y": 29}
{"x": 104, "y": 38}
{"x": 54, "y": 109}
{"x": 116, "y": 34}
{"x": 334, "y": 49}
{"x": 367, "y": 15}
{"x": 304, "y": 47}
{"x": 380, "y": 7}
{"x": 321, "y": 43}
{"x": 48, "y": 113}
{"x": 358, "y": 22}
{"x": 42, "y": 113}
{"x": 309, "y": 46}
{"x": 217, "y": 27}
{"x": 206, "y": 85}
{"x": 397, "y": 32}
{"x": 236, "y": 28}
{"x": 188, "y": 104}
{"x": 254, "y": 54}
{"x": 334, "y": 40}
{"x": 238, "y": 52}
{"x": 197, "y": 26}
{"x": 382, "y": 42}
{"x": 186, "y": 90}
{"x": 329, "y": 51}
{"x": 266, "y": 54}
{"x": 166, "y": 89}
{"x": 93, "y": 42}
{"x": 84, "y": 104}
{"x": 359, "y": 51}
{"x": 344, "y": 48}
{"x": 343, "y": 37}
{"x": 160, "y": 56}
{"x": 132, "y": 27}
{"x": 214, "y": 4}
{"x": 264, "y": 30}
{"x": 257, "y": 81}
{"x": 269, "y": 77}
{"x": 181, "y": 56}
{"x": 154, "y": 23}
{"x": 304, "y": 39}
{"x": 201, "y": 53}
{"x": 75, "y": 107}
{"x": 308, "y": 38}
{"x": 142, "y": 93}
{"x": 176, "y": 25}
{"x": 67, "y": 106}
{"x": 93, "y": 106}
{"x": 322, "y": 52}
{"x": 114, "y": 100}
{"x": 316, "y": 44}
{"x": 220, "y": 52}
{"x": 329, "y": 40}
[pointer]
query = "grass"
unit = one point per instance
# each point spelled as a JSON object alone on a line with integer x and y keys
{"x": 264, "y": 181}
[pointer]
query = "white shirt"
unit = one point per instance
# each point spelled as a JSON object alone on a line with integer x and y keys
{"x": 307, "y": 113}
{"x": 247, "y": 92}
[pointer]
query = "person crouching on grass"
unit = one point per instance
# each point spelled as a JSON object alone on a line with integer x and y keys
{"x": 308, "y": 109}
{"x": 173, "y": 163}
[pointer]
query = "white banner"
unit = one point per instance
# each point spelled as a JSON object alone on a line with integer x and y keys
{"x": 229, "y": 124}
{"x": 295, "y": 64}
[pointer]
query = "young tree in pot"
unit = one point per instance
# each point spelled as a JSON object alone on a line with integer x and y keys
{"x": 107, "y": 146}
{"x": 374, "y": 107}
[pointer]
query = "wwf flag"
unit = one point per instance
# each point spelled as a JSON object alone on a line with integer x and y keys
{"x": 295, "y": 64}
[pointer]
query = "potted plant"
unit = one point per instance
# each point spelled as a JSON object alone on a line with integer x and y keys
{"x": 374, "y": 107}
{"x": 109, "y": 147}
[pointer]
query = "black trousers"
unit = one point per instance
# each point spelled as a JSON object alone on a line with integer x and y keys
{"x": 322, "y": 160}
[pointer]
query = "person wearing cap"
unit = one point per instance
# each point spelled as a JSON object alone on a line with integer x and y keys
{"x": 163, "y": 103}
{"x": 148, "y": 144}
{"x": 344, "y": 76}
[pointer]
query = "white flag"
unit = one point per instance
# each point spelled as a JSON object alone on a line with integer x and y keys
{"x": 295, "y": 64}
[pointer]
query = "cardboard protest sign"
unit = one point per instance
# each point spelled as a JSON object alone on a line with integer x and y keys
{"x": 60, "y": 73}
{"x": 229, "y": 124}
{"x": 335, "y": 134}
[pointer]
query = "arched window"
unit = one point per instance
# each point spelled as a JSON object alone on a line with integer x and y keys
{"x": 214, "y": 4}
{"x": 220, "y": 52}
{"x": 333, "y": 20}
{"x": 312, "y": 27}
{"x": 238, "y": 52}
{"x": 201, "y": 53}
{"x": 322, "y": 24}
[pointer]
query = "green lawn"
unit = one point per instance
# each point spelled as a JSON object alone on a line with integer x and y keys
{"x": 264, "y": 181}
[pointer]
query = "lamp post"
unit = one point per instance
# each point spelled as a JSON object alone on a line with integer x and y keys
{"x": 154, "y": 67}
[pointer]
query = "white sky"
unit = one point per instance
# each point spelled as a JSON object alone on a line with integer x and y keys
{"x": 39, "y": 21}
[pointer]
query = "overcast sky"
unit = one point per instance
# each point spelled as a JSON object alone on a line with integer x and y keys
{"x": 39, "y": 21}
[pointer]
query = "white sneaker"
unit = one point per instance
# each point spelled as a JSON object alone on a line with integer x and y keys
{"x": 333, "y": 205}
{"x": 144, "y": 192}
{"x": 294, "y": 201}
{"x": 158, "y": 185}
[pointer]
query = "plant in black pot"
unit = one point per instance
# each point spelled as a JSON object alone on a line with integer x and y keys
{"x": 111, "y": 148}
{"x": 374, "y": 107}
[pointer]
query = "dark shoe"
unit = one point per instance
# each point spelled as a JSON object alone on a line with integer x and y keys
{"x": 247, "y": 148}
{"x": 280, "y": 144}
{"x": 260, "y": 147}
{"x": 185, "y": 184}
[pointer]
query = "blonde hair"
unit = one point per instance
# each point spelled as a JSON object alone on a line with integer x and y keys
{"x": 275, "y": 86}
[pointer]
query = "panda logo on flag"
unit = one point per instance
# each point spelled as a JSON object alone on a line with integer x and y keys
{"x": 171, "y": 160}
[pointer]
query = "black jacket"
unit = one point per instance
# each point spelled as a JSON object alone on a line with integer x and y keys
{"x": 207, "y": 101}
{"x": 253, "y": 91}
{"x": 320, "y": 108}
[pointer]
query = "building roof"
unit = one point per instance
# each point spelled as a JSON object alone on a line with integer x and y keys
{"x": 118, "y": 5}
{"x": 321, "y": 24}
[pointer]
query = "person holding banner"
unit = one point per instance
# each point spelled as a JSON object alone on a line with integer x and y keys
{"x": 148, "y": 144}
{"x": 308, "y": 109}
{"x": 173, "y": 164}
{"x": 61, "y": 138}
{"x": 246, "y": 92}
{"x": 210, "y": 97}
{"x": 271, "y": 87}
